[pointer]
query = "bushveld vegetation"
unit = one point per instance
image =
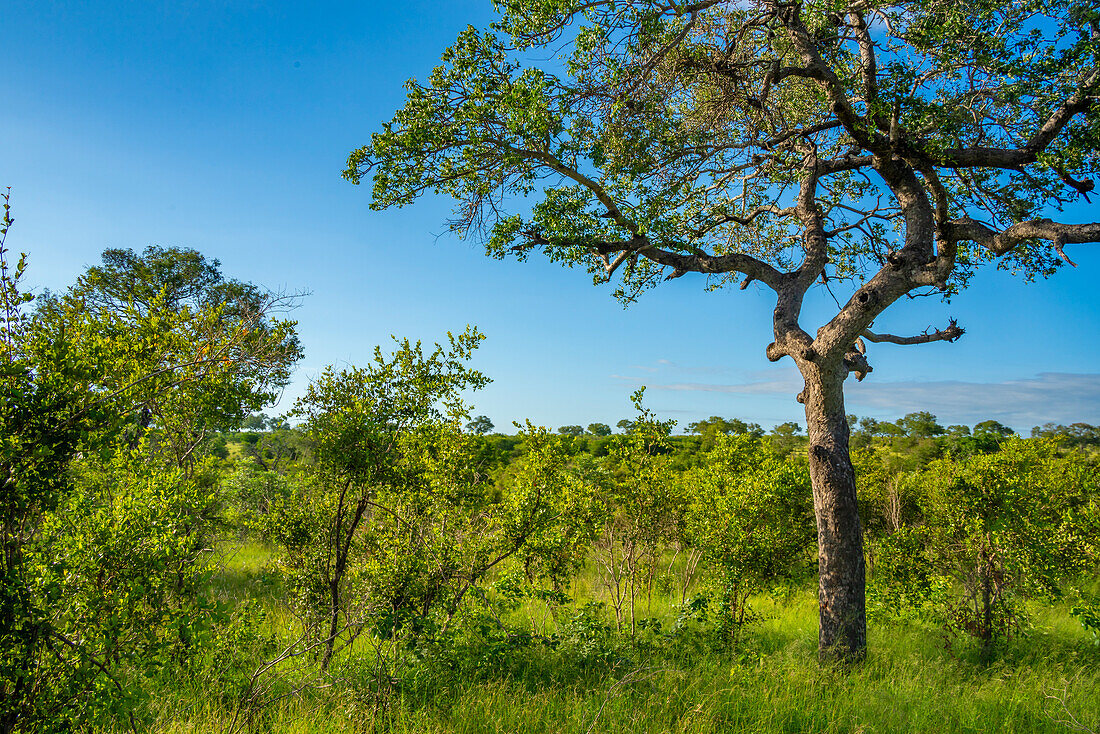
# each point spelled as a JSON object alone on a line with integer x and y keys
{"x": 378, "y": 559}
{"x": 878, "y": 150}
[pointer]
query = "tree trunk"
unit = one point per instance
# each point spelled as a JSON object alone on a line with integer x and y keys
{"x": 842, "y": 610}
{"x": 333, "y": 619}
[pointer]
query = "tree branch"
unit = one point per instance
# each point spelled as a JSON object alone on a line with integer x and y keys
{"x": 1000, "y": 243}
{"x": 950, "y": 334}
{"x": 868, "y": 63}
{"x": 818, "y": 69}
{"x": 556, "y": 165}
{"x": 91, "y": 658}
{"x": 978, "y": 156}
{"x": 699, "y": 262}
{"x": 733, "y": 262}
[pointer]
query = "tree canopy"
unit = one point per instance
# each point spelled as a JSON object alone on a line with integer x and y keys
{"x": 727, "y": 426}
{"x": 166, "y": 334}
{"x": 894, "y": 144}
{"x": 480, "y": 425}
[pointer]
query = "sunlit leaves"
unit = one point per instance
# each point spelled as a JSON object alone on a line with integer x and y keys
{"x": 990, "y": 530}
{"x": 684, "y": 116}
{"x": 749, "y": 512}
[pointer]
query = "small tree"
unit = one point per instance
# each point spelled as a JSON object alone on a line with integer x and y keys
{"x": 750, "y": 515}
{"x": 373, "y": 431}
{"x": 106, "y": 508}
{"x": 999, "y": 527}
{"x": 714, "y": 426}
{"x": 921, "y": 424}
{"x": 727, "y": 426}
{"x": 785, "y": 437}
{"x": 480, "y": 425}
{"x": 398, "y": 521}
{"x": 276, "y": 450}
{"x": 255, "y": 422}
{"x": 566, "y": 493}
{"x": 879, "y": 148}
{"x": 41, "y": 439}
{"x": 1075, "y": 434}
{"x": 642, "y": 512}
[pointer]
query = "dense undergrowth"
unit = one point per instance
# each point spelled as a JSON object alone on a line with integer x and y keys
{"x": 568, "y": 671}
{"x": 383, "y": 565}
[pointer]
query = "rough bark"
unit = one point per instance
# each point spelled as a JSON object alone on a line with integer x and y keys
{"x": 842, "y": 611}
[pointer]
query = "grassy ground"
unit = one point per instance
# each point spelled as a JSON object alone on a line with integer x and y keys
{"x": 1046, "y": 681}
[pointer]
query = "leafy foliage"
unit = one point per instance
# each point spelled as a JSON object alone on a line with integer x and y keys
{"x": 165, "y": 335}
{"x": 642, "y": 513}
{"x": 751, "y": 515}
{"x": 996, "y": 528}
{"x": 108, "y": 507}
{"x": 884, "y": 148}
{"x": 395, "y": 525}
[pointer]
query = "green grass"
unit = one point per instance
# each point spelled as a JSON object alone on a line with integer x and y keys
{"x": 242, "y": 568}
{"x": 771, "y": 681}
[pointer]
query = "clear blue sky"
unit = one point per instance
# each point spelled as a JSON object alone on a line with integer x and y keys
{"x": 224, "y": 126}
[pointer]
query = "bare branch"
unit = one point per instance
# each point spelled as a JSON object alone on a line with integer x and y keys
{"x": 950, "y": 334}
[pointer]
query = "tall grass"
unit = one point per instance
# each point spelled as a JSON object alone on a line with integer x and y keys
{"x": 770, "y": 681}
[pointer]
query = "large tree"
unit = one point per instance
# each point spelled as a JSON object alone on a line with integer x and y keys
{"x": 880, "y": 149}
{"x": 187, "y": 349}
{"x": 103, "y": 522}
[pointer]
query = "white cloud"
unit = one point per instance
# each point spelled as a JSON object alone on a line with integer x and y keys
{"x": 1022, "y": 403}
{"x": 1049, "y": 396}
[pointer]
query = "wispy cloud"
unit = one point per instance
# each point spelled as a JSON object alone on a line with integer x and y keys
{"x": 1049, "y": 396}
{"x": 779, "y": 386}
{"x": 1022, "y": 402}
{"x": 668, "y": 366}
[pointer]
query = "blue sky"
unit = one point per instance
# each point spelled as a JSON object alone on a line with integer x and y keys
{"x": 224, "y": 126}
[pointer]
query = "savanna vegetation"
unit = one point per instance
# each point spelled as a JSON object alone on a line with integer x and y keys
{"x": 175, "y": 560}
{"x": 879, "y": 150}
{"x": 383, "y": 558}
